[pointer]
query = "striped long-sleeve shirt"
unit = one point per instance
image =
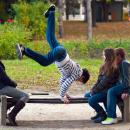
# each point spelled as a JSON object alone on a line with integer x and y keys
{"x": 70, "y": 71}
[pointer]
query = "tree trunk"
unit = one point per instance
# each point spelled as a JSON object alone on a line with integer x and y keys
{"x": 94, "y": 13}
{"x": 60, "y": 6}
{"x": 85, "y": 10}
{"x": 129, "y": 11}
{"x": 89, "y": 19}
{"x": 67, "y": 9}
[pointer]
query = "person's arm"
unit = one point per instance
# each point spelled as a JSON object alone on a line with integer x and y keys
{"x": 4, "y": 78}
{"x": 2, "y": 65}
{"x": 125, "y": 76}
{"x": 107, "y": 82}
{"x": 64, "y": 86}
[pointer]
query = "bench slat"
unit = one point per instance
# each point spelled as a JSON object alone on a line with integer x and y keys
{"x": 56, "y": 100}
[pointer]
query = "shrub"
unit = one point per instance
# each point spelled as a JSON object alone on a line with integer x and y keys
{"x": 10, "y": 34}
{"x": 95, "y": 48}
{"x": 30, "y": 15}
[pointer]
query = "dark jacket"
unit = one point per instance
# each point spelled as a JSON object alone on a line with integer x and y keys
{"x": 4, "y": 78}
{"x": 124, "y": 68}
{"x": 105, "y": 82}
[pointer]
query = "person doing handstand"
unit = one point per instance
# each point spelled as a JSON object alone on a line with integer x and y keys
{"x": 69, "y": 70}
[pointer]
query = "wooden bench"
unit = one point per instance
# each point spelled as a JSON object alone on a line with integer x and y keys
{"x": 4, "y": 100}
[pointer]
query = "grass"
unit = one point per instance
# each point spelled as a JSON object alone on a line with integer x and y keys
{"x": 30, "y": 74}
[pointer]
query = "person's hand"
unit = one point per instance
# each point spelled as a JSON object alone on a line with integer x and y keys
{"x": 124, "y": 95}
{"x": 68, "y": 96}
{"x": 91, "y": 92}
{"x": 66, "y": 99}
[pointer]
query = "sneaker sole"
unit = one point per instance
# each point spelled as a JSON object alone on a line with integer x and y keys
{"x": 19, "y": 52}
{"x": 111, "y": 123}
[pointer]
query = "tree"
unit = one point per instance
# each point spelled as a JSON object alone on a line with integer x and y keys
{"x": 93, "y": 6}
{"x": 129, "y": 10}
{"x": 94, "y": 13}
{"x": 89, "y": 19}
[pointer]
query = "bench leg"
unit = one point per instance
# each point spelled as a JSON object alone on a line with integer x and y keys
{"x": 127, "y": 110}
{"x": 3, "y": 110}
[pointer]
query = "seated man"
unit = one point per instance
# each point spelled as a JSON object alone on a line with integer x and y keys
{"x": 8, "y": 88}
{"x": 122, "y": 88}
{"x": 70, "y": 70}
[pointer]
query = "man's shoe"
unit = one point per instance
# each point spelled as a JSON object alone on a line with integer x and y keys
{"x": 99, "y": 119}
{"x": 19, "y": 51}
{"x": 109, "y": 121}
{"x": 51, "y": 8}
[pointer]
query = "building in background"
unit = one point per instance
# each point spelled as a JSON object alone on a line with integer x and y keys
{"x": 74, "y": 10}
{"x": 104, "y": 11}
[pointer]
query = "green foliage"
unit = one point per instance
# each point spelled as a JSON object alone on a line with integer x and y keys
{"x": 10, "y": 34}
{"x": 76, "y": 48}
{"x": 30, "y": 15}
{"x": 95, "y": 49}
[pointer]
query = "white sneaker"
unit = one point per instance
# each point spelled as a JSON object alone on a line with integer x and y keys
{"x": 109, "y": 121}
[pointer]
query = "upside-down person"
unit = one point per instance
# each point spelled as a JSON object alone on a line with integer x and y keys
{"x": 70, "y": 70}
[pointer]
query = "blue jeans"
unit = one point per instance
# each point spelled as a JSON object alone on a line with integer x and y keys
{"x": 112, "y": 96}
{"x": 95, "y": 99}
{"x": 57, "y": 53}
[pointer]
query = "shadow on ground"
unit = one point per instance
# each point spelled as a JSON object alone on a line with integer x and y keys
{"x": 65, "y": 124}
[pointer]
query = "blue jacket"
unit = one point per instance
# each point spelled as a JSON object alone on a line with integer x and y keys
{"x": 124, "y": 68}
{"x": 4, "y": 78}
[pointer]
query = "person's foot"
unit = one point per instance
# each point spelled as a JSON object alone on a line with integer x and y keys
{"x": 100, "y": 119}
{"x": 109, "y": 121}
{"x": 96, "y": 116}
{"x": 19, "y": 51}
{"x": 51, "y": 8}
{"x": 12, "y": 121}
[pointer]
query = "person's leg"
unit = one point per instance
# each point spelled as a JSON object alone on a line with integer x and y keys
{"x": 50, "y": 31}
{"x": 14, "y": 93}
{"x": 87, "y": 95}
{"x": 57, "y": 53}
{"x": 94, "y": 103}
{"x": 21, "y": 99}
{"x": 45, "y": 60}
{"x": 111, "y": 104}
{"x": 112, "y": 100}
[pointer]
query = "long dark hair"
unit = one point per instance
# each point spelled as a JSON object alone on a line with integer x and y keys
{"x": 109, "y": 65}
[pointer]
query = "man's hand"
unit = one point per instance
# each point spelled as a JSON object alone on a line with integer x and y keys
{"x": 124, "y": 95}
{"x": 66, "y": 99}
{"x": 68, "y": 96}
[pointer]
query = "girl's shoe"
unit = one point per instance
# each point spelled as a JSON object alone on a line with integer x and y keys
{"x": 109, "y": 121}
{"x": 96, "y": 116}
{"x": 100, "y": 119}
